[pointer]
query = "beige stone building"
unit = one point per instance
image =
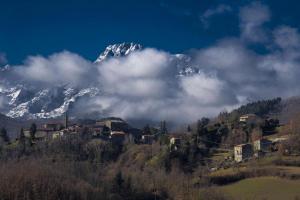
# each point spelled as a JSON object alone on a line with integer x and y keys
{"x": 113, "y": 124}
{"x": 248, "y": 118}
{"x": 263, "y": 145}
{"x": 243, "y": 152}
{"x": 175, "y": 143}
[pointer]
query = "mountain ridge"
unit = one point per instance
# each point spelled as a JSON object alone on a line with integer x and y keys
{"x": 29, "y": 102}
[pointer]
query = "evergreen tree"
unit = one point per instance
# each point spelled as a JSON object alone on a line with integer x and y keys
{"x": 22, "y": 135}
{"x": 202, "y": 131}
{"x": 163, "y": 127}
{"x": 147, "y": 130}
{"x": 189, "y": 129}
{"x": 32, "y": 131}
{"x": 199, "y": 126}
{"x": 22, "y": 141}
{"x": 3, "y": 135}
{"x": 204, "y": 121}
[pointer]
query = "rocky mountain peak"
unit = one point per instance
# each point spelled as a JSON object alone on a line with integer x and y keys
{"x": 118, "y": 50}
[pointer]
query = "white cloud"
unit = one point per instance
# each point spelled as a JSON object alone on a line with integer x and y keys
{"x": 286, "y": 37}
{"x": 252, "y": 17}
{"x": 207, "y": 90}
{"x": 220, "y": 9}
{"x": 3, "y": 59}
{"x": 142, "y": 74}
{"x": 60, "y": 68}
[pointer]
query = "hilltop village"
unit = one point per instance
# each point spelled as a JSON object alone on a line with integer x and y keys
{"x": 248, "y": 136}
{"x": 113, "y": 129}
{"x": 118, "y": 131}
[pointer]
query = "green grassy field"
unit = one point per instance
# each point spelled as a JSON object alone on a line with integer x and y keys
{"x": 264, "y": 188}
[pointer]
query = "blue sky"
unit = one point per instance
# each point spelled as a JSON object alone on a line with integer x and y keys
{"x": 86, "y": 27}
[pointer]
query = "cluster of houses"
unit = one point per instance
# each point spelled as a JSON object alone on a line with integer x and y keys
{"x": 109, "y": 129}
{"x": 246, "y": 151}
{"x": 259, "y": 147}
{"x": 113, "y": 128}
{"x": 118, "y": 130}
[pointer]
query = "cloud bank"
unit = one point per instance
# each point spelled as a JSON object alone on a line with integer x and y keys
{"x": 147, "y": 85}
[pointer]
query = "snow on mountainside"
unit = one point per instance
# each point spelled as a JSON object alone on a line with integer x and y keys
{"x": 31, "y": 101}
{"x": 45, "y": 104}
{"x": 118, "y": 50}
{"x": 4, "y": 68}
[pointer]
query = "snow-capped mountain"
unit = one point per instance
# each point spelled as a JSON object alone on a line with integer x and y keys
{"x": 118, "y": 50}
{"x": 30, "y": 102}
{"x": 20, "y": 100}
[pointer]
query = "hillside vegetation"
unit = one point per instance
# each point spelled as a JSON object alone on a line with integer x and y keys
{"x": 81, "y": 165}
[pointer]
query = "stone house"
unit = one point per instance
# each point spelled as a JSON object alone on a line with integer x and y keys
{"x": 248, "y": 118}
{"x": 117, "y": 136}
{"x": 263, "y": 145}
{"x": 175, "y": 143}
{"x": 114, "y": 124}
{"x": 59, "y": 134}
{"x": 243, "y": 152}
